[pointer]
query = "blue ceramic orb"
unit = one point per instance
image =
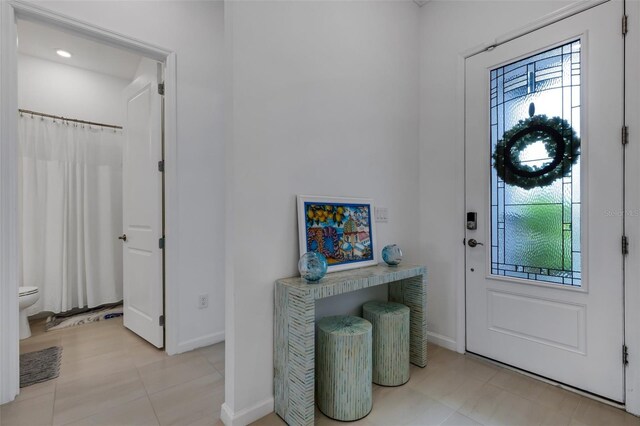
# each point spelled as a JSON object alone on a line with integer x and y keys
{"x": 392, "y": 255}
{"x": 312, "y": 266}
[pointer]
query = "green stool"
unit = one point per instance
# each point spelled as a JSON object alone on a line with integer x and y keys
{"x": 343, "y": 367}
{"x": 390, "y": 322}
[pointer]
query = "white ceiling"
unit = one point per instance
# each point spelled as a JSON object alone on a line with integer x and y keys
{"x": 42, "y": 41}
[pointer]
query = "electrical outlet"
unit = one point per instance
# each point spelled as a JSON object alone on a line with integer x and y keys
{"x": 382, "y": 214}
{"x": 203, "y": 301}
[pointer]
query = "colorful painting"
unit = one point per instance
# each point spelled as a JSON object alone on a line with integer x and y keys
{"x": 341, "y": 229}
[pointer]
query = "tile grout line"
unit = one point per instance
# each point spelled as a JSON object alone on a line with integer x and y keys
{"x": 541, "y": 383}
{"x": 101, "y": 411}
{"x": 467, "y": 417}
{"x": 55, "y": 390}
{"x": 172, "y": 386}
{"x": 542, "y": 380}
{"x": 517, "y": 374}
{"x": 146, "y": 392}
{"x": 450, "y": 414}
{"x": 177, "y": 384}
{"x": 57, "y": 382}
{"x": 162, "y": 390}
{"x": 57, "y": 340}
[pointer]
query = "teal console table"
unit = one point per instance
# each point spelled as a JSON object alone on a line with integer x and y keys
{"x": 294, "y": 328}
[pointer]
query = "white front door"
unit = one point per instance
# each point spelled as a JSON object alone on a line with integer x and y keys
{"x": 142, "y": 210}
{"x": 544, "y": 291}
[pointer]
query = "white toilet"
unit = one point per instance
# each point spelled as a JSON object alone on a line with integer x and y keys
{"x": 28, "y": 296}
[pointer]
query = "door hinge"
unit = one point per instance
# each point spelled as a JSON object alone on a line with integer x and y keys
{"x": 161, "y": 166}
{"x": 625, "y": 245}
{"x": 161, "y": 88}
{"x": 625, "y": 135}
{"x": 161, "y": 321}
{"x": 625, "y": 355}
{"x": 625, "y": 28}
{"x": 161, "y": 243}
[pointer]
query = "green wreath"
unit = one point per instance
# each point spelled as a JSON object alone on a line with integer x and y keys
{"x": 560, "y": 140}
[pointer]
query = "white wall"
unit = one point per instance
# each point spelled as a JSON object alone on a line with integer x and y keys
{"x": 72, "y": 92}
{"x": 447, "y": 29}
{"x": 325, "y": 102}
{"x": 194, "y": 30}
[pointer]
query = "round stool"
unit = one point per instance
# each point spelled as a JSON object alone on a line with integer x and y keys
{"x": 390, "y": 322}
{"x": 343, "y": 367}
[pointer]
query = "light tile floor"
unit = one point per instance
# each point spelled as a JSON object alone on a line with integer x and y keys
{"x": 109, "y": 376}
{"x": 461, "y": 390}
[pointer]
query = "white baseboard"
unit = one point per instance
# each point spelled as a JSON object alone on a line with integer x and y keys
{"x": 444, "y": 341}
{"x": 248, "y": 415}
{"x": 209, "y": 339}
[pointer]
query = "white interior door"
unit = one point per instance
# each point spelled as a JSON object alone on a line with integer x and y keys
{"x": 142, "y": 210}
{"x": 545, "y": 290}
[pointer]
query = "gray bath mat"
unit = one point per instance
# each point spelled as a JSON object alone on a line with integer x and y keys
{"x": 40, "y": 366}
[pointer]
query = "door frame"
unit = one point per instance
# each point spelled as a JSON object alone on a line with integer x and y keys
{"x": 632, "y": 204}
{"x": 10, "y": 10}
{"x": 632, "y": 192}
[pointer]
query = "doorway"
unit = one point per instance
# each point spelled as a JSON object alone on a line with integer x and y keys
{"x": 9, "y": 13}
{"x": 81, "y": 181}
{"x": 544, "y": 196}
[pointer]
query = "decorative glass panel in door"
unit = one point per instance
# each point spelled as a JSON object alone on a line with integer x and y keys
{"x": 535, "y": 174}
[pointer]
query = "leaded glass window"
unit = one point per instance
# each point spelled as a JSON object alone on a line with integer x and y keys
{"x": 535, "y": 232}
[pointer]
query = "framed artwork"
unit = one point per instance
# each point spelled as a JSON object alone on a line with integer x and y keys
{"x": 342, "y": 229}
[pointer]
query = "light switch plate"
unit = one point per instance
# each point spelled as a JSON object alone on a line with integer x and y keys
{"x": 382, "y": 214}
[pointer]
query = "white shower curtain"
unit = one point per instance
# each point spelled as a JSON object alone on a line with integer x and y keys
{"x": 71, "y": 212}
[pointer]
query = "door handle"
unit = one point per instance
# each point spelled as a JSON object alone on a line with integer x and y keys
{"x": 123, "y": 237}
{"x": 473, "y": 243}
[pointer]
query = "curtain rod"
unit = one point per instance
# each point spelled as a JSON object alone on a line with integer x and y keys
{"x": 91, "y": 123}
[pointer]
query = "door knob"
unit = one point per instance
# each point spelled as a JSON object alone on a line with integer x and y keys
{"x": 123, "y": 237}
{"x": 473, "y": 243}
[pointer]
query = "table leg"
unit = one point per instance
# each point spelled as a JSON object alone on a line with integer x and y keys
{"x": 294, "y": 357}
{"x": 413, "y": 293}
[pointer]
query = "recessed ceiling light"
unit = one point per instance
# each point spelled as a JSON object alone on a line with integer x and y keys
{"x": 63, "y": 53}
